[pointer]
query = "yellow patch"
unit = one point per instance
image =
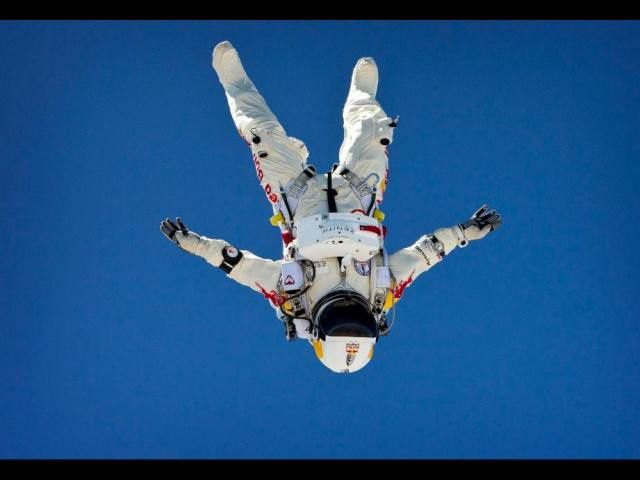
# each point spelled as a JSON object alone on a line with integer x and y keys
{"x": 388, "y": 302}
{"x": 288, "y": 307}
{"x": 317, "y": 347}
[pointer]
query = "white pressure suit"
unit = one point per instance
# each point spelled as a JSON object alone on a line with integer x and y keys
{"x": 310, "y": 292}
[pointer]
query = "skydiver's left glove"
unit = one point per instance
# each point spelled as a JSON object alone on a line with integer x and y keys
{"x": 483, "y": 221}
{"x": 180, "y": 235}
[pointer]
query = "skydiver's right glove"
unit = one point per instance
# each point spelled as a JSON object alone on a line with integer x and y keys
{"x": 180, "y": 234}
{"x": 483, "y": 221}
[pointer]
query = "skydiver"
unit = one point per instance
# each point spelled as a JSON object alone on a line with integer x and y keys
{"x": 335, "y": 284}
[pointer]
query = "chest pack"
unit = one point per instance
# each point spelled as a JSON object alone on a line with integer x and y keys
{"x": 331, "y": 235}
{"x": 356, "y": 236}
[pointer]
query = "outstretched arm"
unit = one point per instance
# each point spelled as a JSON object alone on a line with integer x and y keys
{"x": 259, "y": 274}
{"x": 407, "y": 264}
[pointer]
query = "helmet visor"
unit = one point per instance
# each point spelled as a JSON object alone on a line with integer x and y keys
{"x": 346, "y": 315}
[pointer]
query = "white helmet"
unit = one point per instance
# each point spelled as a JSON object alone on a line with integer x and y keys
{"x": 347, "y": 331}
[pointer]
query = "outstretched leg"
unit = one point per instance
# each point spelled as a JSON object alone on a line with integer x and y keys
{"x": 277, "y": 157}
{"x": 367, "y": 129}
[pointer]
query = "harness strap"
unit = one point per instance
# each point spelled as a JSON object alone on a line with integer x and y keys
{"x": 298, "y": 187}
{"x": 361, "y": 187}
{"x": 291, "y": 195}
{"x": 331, "y": 195}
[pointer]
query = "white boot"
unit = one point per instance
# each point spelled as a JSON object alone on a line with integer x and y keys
{"x": 365, "y": 76}
{"x": 226, "y": 62}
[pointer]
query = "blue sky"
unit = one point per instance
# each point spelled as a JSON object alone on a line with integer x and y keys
{"x": 115, "y": 344}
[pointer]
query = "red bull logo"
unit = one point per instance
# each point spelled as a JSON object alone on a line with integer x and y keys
{"x": 352, "y": 351}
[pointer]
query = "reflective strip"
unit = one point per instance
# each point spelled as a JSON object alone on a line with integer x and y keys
{"x": 371, "y": 228}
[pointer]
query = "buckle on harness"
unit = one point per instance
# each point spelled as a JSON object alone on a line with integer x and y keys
{"x": 362, "y": 188}
{"x": 299, "y": 184}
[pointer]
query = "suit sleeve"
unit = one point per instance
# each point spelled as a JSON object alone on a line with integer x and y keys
{"x": 409, "y": 263}
{"x": 259, "y": 274}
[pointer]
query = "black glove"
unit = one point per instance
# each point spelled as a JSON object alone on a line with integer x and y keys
{"x": 180, "y": 234}
{"x": 169, "y": 229}
{"x": 483, "y": 221}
